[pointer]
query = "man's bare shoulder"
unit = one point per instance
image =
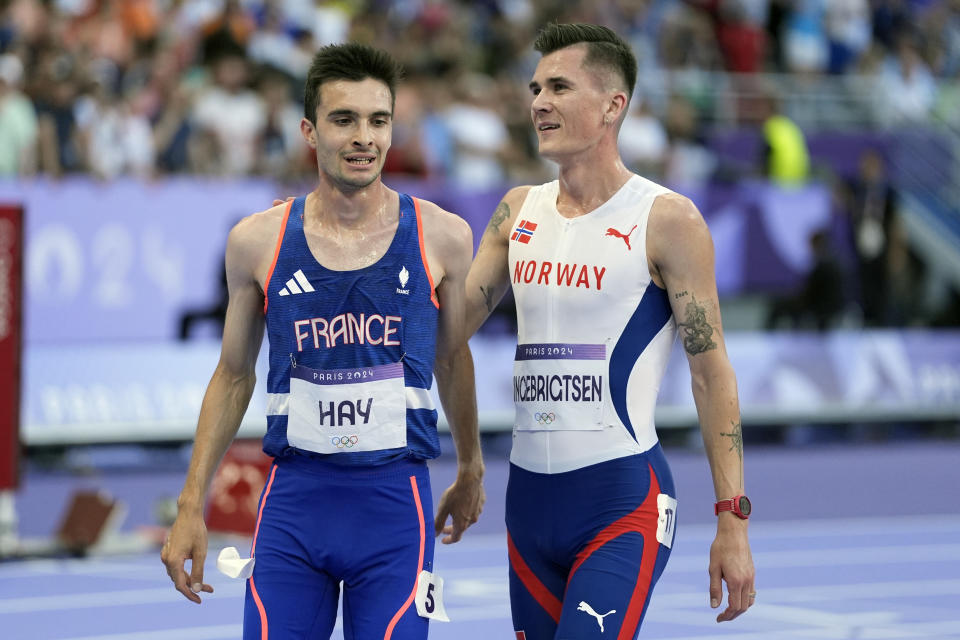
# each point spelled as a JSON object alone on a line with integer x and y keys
{"x": 444, "y": 229}
{"x": 257, "y": 233}
{"x": 673, "y": 214}
{"x": 517, "y": 196}
{"x": 254, "y": 227}
{"x": 506, "y": 212}
{"x": 676, "y": 231}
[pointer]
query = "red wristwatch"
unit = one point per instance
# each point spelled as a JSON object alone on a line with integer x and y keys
{"x": 740, "y": 505}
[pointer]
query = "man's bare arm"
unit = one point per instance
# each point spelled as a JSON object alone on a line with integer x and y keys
{"x": 224, "y": 405}
{"x": 681, "y": 252}
{"x": 463, "y": 501}
{"x": 489, "y": 275}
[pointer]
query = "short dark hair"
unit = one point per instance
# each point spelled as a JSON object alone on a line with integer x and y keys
{"x": 348, "y": 61}
{"x": 604, "y": 47}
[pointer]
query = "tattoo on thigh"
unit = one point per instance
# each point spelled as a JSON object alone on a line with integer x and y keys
{"x": 501, "y": 213}
{"x": 697, "y": 332}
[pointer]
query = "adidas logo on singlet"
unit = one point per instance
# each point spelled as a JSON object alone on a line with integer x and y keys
{"x": 404, "y": 277}
{"x": 297, "y": 284}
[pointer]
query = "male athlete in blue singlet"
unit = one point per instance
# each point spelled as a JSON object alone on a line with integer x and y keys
{"x": 361, "y": 291}
{"x": 605, "y": 265}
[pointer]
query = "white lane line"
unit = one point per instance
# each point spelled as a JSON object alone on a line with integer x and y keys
{"x": 818, "y": 618}
{"x": 862, "y": 626}
{"x": 108, "y": 599}
{"x": 832, "y": 527}
{"x": 939, "y": 630}
{"x": 891, "y": 554}
{"x": 780, "y": 595}
{"x": 214, "y": 632}
{"x": 482, "y": 571}
{"x": 904, "y": 589}
{"x": 687, "y": 562}
{"x": 233, "y": 631}
{"x": 484, "y": 612}
{"x": 497, "y": 588}
{"x": 760, "y": 614}
{"x": 936, "y": 630}
{"x": 759, "y": 529}
{"x": 464, "y": 588}
{"x": 72, "y": 566}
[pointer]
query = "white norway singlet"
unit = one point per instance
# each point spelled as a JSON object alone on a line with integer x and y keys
{"x": 594, "y": 331}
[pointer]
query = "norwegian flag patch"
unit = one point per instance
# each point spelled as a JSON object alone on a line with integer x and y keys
{"x": 524, "y": 231}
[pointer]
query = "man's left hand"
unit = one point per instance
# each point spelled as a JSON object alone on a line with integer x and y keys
{"x": 462, "y": 502}
{"x": 731, "y": 562}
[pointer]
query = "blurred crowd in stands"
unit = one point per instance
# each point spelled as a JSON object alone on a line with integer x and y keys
{"x": 149, "y": 88}
{"x": 213, "y": 87}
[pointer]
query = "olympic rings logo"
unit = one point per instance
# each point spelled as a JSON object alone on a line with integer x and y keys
{"x": 544, "y": 418}
{"x": 344, "y": 441}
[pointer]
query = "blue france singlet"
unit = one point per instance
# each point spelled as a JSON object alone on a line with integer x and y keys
{"x": 351, "y": 352}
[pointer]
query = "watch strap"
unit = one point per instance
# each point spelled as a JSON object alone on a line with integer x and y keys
{"x": 733, "y": 504}
{"x": 723, "y": 505}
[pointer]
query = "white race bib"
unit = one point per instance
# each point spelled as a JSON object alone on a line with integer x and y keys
{"x": 666, "y": 520}
{"x": 429, "y": 598}
{"x": 559, "y": 386}
{"x": 338, "y": 410}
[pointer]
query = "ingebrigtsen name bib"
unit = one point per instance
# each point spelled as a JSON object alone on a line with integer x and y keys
{"x": 559, "y": 386}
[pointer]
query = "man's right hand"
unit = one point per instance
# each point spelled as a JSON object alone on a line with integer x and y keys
{"x": 187, "y": 540}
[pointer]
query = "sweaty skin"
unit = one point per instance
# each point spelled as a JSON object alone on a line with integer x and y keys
{"x": 349, "y": 222}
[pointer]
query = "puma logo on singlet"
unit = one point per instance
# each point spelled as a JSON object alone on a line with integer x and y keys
{"x": 588, "y": 609}
{"x": 623, "y": 236}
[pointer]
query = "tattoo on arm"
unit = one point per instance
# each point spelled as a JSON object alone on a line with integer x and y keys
{"x": 697, "y": 332}
{"x": 501, "y": 213}
{"x": 736, "y": 443}
{"x": 680, "y": 295}
{"x": 488, "y": 297}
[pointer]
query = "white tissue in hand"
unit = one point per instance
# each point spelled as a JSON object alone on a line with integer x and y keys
{"x": 230, "y": 564}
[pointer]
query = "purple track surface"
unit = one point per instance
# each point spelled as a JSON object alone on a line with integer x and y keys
{"x": 849, "y": 541}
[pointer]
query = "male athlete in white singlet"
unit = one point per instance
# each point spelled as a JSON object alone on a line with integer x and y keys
{"x": 605, "y": 267}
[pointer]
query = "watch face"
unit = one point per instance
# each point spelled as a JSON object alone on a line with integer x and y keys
{"x": 744, "y": 504}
